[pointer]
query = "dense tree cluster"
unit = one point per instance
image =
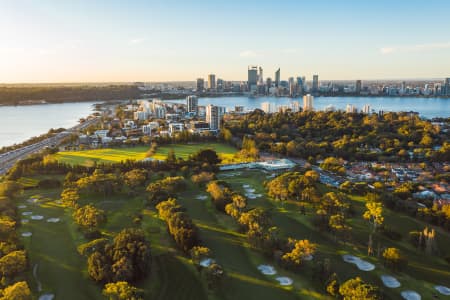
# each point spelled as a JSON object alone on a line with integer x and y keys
{"x": 350, "y": 136}
{"x": 180, "y": 225}
{"x": 294, "y": 186}
{"x": 221, "y": 194}
{"x": 165, "y": 188}
{"x": 295, "y": 253}
{"x": 126, "y": 258}
{"x": 356, "y": 288}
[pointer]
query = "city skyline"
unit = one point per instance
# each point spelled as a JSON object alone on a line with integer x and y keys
{"x": 156, "y": 41}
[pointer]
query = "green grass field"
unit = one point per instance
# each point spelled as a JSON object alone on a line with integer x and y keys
{"x": 115, "y": 155}
{"x": 61, "y": 271}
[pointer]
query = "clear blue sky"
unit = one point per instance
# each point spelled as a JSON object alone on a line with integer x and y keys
{"x": 70, "y": 41}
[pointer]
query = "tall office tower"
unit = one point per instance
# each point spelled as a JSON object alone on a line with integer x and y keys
{"x": 308, "y": 102}
{"x": 192, "y": 104}
{"x": 277, "y": 77}
{"x": 447, "y": 86}
{"x": 260, "y": 76}
{"x": 300, "y": 85}
{"x": 220, "y": 84}
{"x": 292, "y": 87}
{"x": 200, "y": 84}
{"x": 366, "y": 109}
{"x": 358, "y": 87}
{"x": 350, "y": 109}
{"x": 403, "y": 88}
{"x": 252, "y": 77}
{"x": 211, "y": 81}
{"x": 315, "y": 84}
{"x": 269, "y": 82}
{"x": 214, "y": 116}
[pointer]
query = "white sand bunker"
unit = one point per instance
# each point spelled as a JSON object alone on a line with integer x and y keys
{"x": 38, "y": 217}
{"x": 22, "y": 206}
{"x": 47, "y": 297}
{"x": 27, "y": 234}
{"x": 361, "y": 264}
{"x": 284, "y": 280}
{"x": 246, "y": 186}
{"x": 32, "y": 200}
{"x": 443, "y": 290}
{"x": 201, "y": 197}
{"x": 390, "y": 281}
{"x": 27, "y": 213}
{"x": 53, "y": 220}
{"x": 24, "y": 221}
{"x": 308, "y": 257}
{"x": 267, "y": 269}
{"x": 250, "y": 190}
{"x": 206, "y": 262}
{"x": 410, "y": 295}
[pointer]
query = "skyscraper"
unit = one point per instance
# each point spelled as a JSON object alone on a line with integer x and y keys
{"x": 214, "y": 116}
{"x": 211, "y": 81}
{"x": 252, "y": 77}
{"x": 358, "y": 87}
{"x": 277, "y": 77}
{"x": 447, "y": 86}
{"x": 308, "y": 102}
{"x": 200, "y": 84}
{"x": 268, "y": 107}
{"x": 366, "y": 109}
{"x": 315, "y": 84}
{"x": 260, "y": 76}
{"x": 192, "y": 104}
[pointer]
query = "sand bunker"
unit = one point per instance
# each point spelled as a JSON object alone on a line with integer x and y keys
{"x": 22, "y": 206}
{"x": 245, "y": 186}
{"x": 267, "y": 269}
{"x": 250, "y": 190}
{"x": 38, "y": 217}
{"x": 443, "y": 290}
{"x": 53, "y": 220}
{"x": 32, "y": 200}
{"x": 308, "y": 257}
{"x": 284, "y": 280}
{"x": 27, "y": 213}
{"x": 390, "y": 281}
{"x": 27, "y": 234}
{"x": 24, "y": 221}
{"x": 201, "y": 197}
{"x": 47, "y": 297}
{"x": 206, "y": 262}
{"x": 410, "y": 295}
{"x": 361, "y": 264}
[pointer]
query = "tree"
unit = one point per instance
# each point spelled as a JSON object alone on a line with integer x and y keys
{"x": 214, "y": 274}
{"x": 17, "y": 291}
{"x": 338, "y": 225}
{"x": 13, "y": 263}
{"x": 10, "y": 189}
{"x": 122, "y": 290}
{"x": 374, "y": 214}
{"x": 355, "y": 289}
{"x": 333, "y": 285}
{"x": 198, "y": 253}
{"x": 208, "y": 156}
{"x": 171, "y": 158}
{"x": 135, "y": 178}
{"x": 299, "y": 249}
{"x": 70, "y": 196}
{"x": 89, "y": 217}
{"x": 394, "y": 259}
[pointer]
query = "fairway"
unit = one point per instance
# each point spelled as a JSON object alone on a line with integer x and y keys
{"x": 116, "y": 155}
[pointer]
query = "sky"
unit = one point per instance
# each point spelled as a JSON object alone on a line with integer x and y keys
{"x": 176, "y": 40}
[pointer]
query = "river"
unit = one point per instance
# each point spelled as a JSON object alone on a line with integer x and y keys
{"x": 19, "y": 123}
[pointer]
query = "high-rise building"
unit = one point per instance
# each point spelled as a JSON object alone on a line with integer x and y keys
{"x": 358, "y": 87}
{"x": 292, "y": 87}
{"x": 351, "y": 109}
{"x": 214, "y": 116}
{"x": 260, "y": 76}
{"x": 200, "y": 84}
{"x": 446, "y": 86}
{"x": 308, "y": 102}
{"x": 366, "y": 109}
{"x": 315, "y": 84}
{"x": 277, "y": 77}
{"x": 192, "y": 104}
{"x": 268, "y": 107}
{"x": 252, "y": 77}
{"x": 211, "y": 81}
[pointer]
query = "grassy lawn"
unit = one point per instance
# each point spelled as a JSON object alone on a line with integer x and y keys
{"x": 115, "y": 155}
{"x": 422, "y": 273}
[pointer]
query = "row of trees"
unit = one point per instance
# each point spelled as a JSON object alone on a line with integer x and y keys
{"x": 13, "y": 259}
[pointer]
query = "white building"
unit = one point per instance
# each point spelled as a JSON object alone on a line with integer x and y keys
{"x": 268, "y": 107}
{"x": 192, "y": 104}
{"x": 214, "y": 116}
{"x": 101, "y": 133}
{"x": 366, "y": 109}
{"x": 140, "y": 115}
{"x": 350, "y": 109}
{"x": 295, "y": 106}
{"x": 308, "y": 103}
{"x": 175, "y": 127}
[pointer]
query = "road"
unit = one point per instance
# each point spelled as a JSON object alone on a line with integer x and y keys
{"x": 8, "y": 159}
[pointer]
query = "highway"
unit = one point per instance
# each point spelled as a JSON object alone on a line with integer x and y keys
{"x": 8, "y": 159}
